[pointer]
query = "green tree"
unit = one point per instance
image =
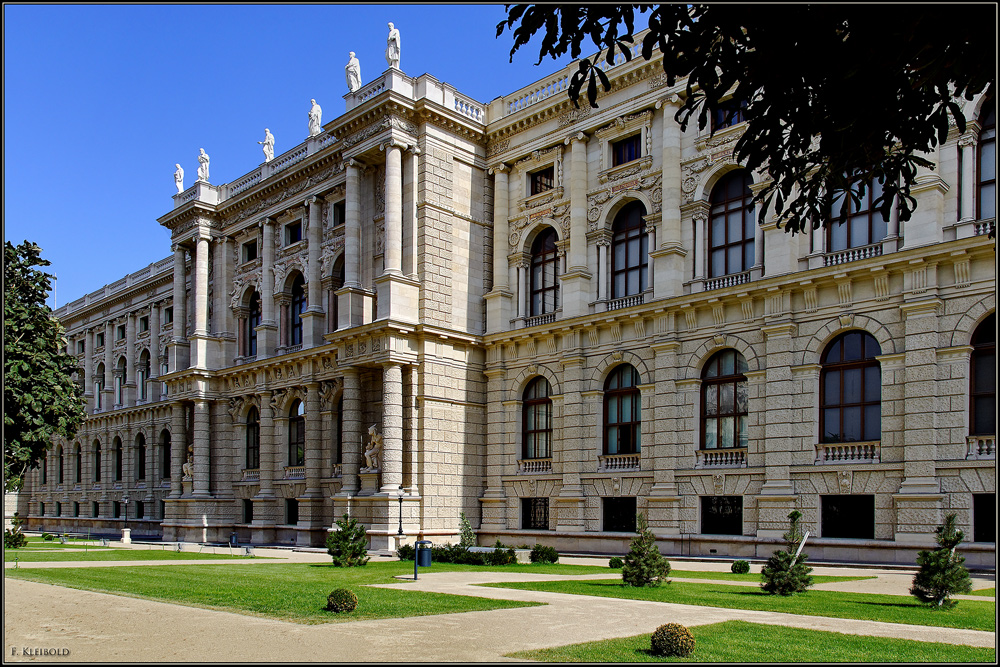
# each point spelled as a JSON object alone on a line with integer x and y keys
{"x": 942, "y": 572}
{"x": 644, "y": 566}
{"x": 785, "y": 573}
{"x": 468, "y": 538}
{"x": 40, "y": 398}
{"x": 837, "y": 95}
{"x": 348, "y": 546}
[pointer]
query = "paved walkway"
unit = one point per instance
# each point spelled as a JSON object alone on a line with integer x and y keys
{"x": 110, "y": 628}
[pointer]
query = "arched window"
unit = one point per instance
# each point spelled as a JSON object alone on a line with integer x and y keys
{"x": 851, "y": 389}
{"x": 339, "y": 453}
{"x": 537, "y": 427}
{"x": 253, "y": 321}
{"x": 99, "y": 387}
{"x": 97, "y": 460}
{"x": 983, "y": 379}
{"x": 629, "y": 252}
{"x": 724, "y": 401}
{"x": 732, "y": 225}
{"x": 45, "y": 469}
{"x": 118, "y": 458}
{"x": 297, "y": 308}
{"x": 986, "y": 172}
{"x": 120, "y": 380}
{"x": 339, "y": 276}
{"x": 59, "y": 453}
{"x": 78, "y": 461}
{"x": 297, "y": 434}
{"x": 253, "y": 440}
{"x": 140, "y": 456}
{"x": 622, "y": 412}
{"x": 165, "y": 454}
{"x": 544, "y": 273}
{"x": 862, "y": 224}
{"x": 142, "y": 374}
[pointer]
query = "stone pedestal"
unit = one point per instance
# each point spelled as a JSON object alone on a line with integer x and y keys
{"x": 499, "y": 310}
{"x": 187, "y": 486}
{"x": 126, "y": 536}
{"x": 397, "y": 297}
{"x": 663, "y": 512}
{"x": 354, "y": 307}
{"x": 570, "y": 514}
{"x": 369, "y": 483}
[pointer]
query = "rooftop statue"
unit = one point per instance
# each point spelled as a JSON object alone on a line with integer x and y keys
{"x": 315, "y": 119}
{"x": 179, "y": 179}
{"x": 392, "y": 47}
{"x": 353, "y": 71}
{"x": 268, "y": 144}
{"x": 202, "y": 165}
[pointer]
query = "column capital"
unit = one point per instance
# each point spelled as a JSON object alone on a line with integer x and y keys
{"x": 314, "y": 200}
{"x": 673, "y": 100}
{"x": 354, "y": 163}
{"x": 393, "y": 143}
{"x": 498, "y": 169}
{"x": 579, "y": 136}
{"x": 414, "y": 149}
{"x": 265, "y": 221}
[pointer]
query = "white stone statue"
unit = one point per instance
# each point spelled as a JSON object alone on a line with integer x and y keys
{"x": 179, "y": 179}
{"x": 187, "y": 468}
{"x": 392, "y": 47}
{"x": 315, "y": 119}
{"x": 353, "y": 70}
{"x": 268, "y": 145}
{"x": 202, "y": 165}
{"x": 374, "y": 451}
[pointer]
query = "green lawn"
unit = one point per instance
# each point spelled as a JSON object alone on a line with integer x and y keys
{"x": 969, "y": 614}
{"x": 33, "y": 555}
{"x": 751, "y": 579}
{"x": 292, "y": 592}
{"x": 742, "y": 642}
{"x": 986, "y": 592}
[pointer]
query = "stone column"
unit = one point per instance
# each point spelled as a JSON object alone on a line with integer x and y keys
{"x": 498, "y": 301}
{"x": 967, "y": 207}
{"x": 351, "y": 431}
{"x": 522, "y": 288}
{"x": 199, "y": 339}
{"x": 179, "y": 354}
{"x": 129, "y": 390}
{"x": 392, "y": 427}
{"x": 314, "y": 441}
{"x": 700, "y": 220}
{"x": 88, "y": 370}
{"x": 267, "y": 457}
{"x": 411, "y": 171}
{"x": 603, "y": 244}
{"x": 202, "y": 447}
{"x": 351, "y": 304}
{"x": 393, "y": 207}
{"x": 267, "y": 331}
{"x": 669, "y": 254}
{"x": 109, "y": 366}
{"x": 153, "y": 388}
{"x": 315, "y": 316}
{"x": 575, "y": 281}
{"x": 178, "y": 447}
{"x": 224, "y": 329}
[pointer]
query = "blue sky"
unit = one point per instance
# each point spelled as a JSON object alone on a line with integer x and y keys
{"x": 100, "y": 101}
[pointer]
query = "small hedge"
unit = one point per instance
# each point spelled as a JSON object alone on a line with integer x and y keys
{"x": 740, "y": 567}
{"x": 341, "y": 600}
{"x": 543, "y": 554}
{"x": 672, "y": 639}
{"x": 48, "y": 537}
{"x": 459, "y": 555}
{"x": 616, "y": 563}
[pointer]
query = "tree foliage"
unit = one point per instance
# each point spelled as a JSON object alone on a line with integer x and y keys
{"x": 838, "y": 95}
{"x": 942, "y": 572}
{"x": 348, "y": 545}
{"x": 644, "y": 566}
{"x": 467, "y": 537}
{"x": 40, "y": 398}
{"x": 785, "y": 573}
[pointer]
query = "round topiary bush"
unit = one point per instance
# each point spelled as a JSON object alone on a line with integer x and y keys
{"x": 616, "y": 563}
{"x": 672, "y": 639}
{"x": 47, "y": 537}
{"x": 341, "y": 600}
{"x": 740, "y": 567}
{"x": 543, "y": 554}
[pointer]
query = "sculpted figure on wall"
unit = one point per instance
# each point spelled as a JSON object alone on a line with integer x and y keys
{"x": 179, "y": 179}
{"x": 392, "y": 47}
{"x": 374, "y": 451}
{"x": 315, "y": 119}
{"x": 268, "y": 145}
{"x": 353, "y": 71}
{"x": 187, "y": 468}
{"x": 202, "y": 165}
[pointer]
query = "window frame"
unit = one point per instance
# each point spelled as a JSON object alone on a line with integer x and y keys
{"x": 296, "y": 434}
{"x": 843, "y": 366}
{"x": 535, "y": 514}
{"x": 140, "y": 457}
{"x": 625, "y": 230}
{"x": 616, "y": 395}
{"x": 748, "y": 216}
{"x": 618, "y": 508}
{"x": 293, "y": 232}
{"x": 252, "y": 440}
{"x": 988, "y": 108}
{"x": 296, "y": 308}
{"x": 848, "y": 529}
{"x": 984, "y": 349}
{"x": 531, "y": 406}
{"x": 543, "y": 256}
{"x": 542, "y": 180}
{"x": 253, "y": 321}
{"x": 734, "y": 379}
{"x": 247, "y": 249}
{"x": 734, "y": 110}
{"x": 623, "y": 148}
{"x": 865, "y": 210}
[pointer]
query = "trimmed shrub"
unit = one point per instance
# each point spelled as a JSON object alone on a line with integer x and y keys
{"x": 468, "y": 538}
{"x": 942, "y": 572}
{"x": 783, "y": 573}
{"x": 48, "y": 537}
{"x": 616, "y": 563}
{"x": 348, "y": 546}
{"x": 740, "y": 567}
{"x": 341, "y": 600}
{"x": 501, "y": 555}
{"x": 543, "y": 554}
{"x": 672, "y": 639}
{"x": 644, "y": 566}
{"x": 406, "y": 552}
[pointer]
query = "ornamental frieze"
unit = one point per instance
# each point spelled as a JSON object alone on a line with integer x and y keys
{"x": 573, "y": 116}
{"x": 689, "y": 180}
{"x": 650, "y": 185}
{"x": 497, "y": 148}
{"x": 389, "y": 122}
{"x": 285, "y": 193}
{"x": 239, "y": 284}
{"x": 559, "y": 213}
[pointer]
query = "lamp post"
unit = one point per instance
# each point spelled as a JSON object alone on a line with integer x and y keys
{"x": 399, "y": 495}
{"x": 125, "y": 500}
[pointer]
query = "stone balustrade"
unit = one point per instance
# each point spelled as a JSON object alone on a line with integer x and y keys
{"x": 626, "y": 302}
{"x": 547, "y": 318}
{"x": 245, "y": 183}
{"x": 522, "y": 99}
{"x": 981, "y": 447}
{"x": 727, "y": 281}
{"x": 251, "y": 474}
{"x": 288, "y": 158}
{"x": 852, "y": 254}
{"x": 295, "y": 472}
{"x": 849, "y": 452}
{"x": 981, "y": 227}
{"x": 609, "y": 462}
{"x": 721, "y": 458}
{"x": 533, "y": 466}
{"x": 469, "y": 107}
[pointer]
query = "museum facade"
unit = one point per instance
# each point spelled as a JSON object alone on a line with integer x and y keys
{"x": 549, "y": 318}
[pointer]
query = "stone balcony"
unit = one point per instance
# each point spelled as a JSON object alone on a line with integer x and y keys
{"x": 534, "y": 466}
{"x": 721, "y": 458}
{"x": 981, "y": 448}
{"x": 849, "y": 452}
{"x": 615, "y": 462}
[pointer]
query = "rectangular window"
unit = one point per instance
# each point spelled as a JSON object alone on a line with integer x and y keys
{"x": 168, "y": 315}
{"x": 293, "y": 233}
{"x": 535, "y": 513}
{"x": 848, "y": 516}
{"x": 58, "y": 509}
{"x": 76, "y": 509}
{"x": 41, "y": 509}
{"x": 144, "y": 323}
{"x": 339, "y": 213}
{"x": 619, "y": 515}
{"x": 120, "y": 332}
{"x": 291, "y": 511}
{"x": 81, "y": 346}
{"x": 116, "y": 509}
{"x": 248, "y": 511}
{"x": 100, "y": 340}
{"x": 95, "y": 509}
{"x": 140, "y": 510}
{"x": 626, "y": 150}
{"x": 984, "y": 517}
{"x": 542, "y": 180}
{"x": 728, "y": 113}
{"x": 163, "y": 509}
{"x": 722, "y": 515}
{"x": 250, "y": 251}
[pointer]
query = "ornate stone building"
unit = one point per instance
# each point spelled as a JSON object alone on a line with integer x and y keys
{"x": 550, "y": 318}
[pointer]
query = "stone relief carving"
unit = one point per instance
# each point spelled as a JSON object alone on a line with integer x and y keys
{"x": 285, "y": 193}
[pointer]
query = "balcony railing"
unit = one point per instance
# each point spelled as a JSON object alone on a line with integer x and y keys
{"x": 981, "y": 447}
{"x": 251, "y": 474}
{"x": 727, "y": 281}
{"x": 626, "y": 302}
{"x": 853, "y": 254}
{"x": 547, "y": 318}
{"x": 295, "y": 472}
{"x": 533, "y": 466}
{"x": 849, "y": 452}
{"x": 722, "y": 458}
{"x": 609, "y": 462}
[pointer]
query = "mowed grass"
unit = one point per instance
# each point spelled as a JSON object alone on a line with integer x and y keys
{"x": 291, "y": 592}
{"x": 969, "y": 614}
{"x": 743, "y": 642}
{"x": 985, "y": 592}
{"x": 32, "y": 555}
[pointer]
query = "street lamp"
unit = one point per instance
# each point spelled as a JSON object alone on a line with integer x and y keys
{"x": 125, "y": 500}
{"x": 399, "y": 494}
